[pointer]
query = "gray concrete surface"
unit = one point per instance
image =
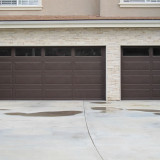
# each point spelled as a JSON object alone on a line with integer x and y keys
{"x": 54, "y": 130}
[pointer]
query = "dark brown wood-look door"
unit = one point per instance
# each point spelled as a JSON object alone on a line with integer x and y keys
{"x": 89, "y": 73}
{"x": 140, "y": 73}
{"x": 52, "y": 73}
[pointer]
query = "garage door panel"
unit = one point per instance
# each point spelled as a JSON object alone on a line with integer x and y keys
{"x": 136, "y": 94}
{"x": 156, "y": 93}
{"x": 136, "y": 72}
{"x": 58, "y": 66}
{"x": 28, "y": 93}
{"x": 136, "y": 79}
{"x": 58, "y": 80}
{"x": 28, "y": 66}
{"x": 89, "y": 86}
{"x": 28, "y": 80}
{"x": 59, "y": 59}
{"x": 5, "y": 59}
{"x": 87, "y": 66}
{"x": 4, "y": 79}
{"x": 57, "y": 72}
{"x": 58, "y": 86}
{"x": 5, "y": 66}
{"x": 27, "y": 73}
{"x": 136, "y": 58}
{"x": 28, "y": 86}
{"x": 156, "y": 58}
{"x": 136, "y": 86}
{"x": 156, "y": 65}
{"x": 156, "y": 72}
{"x": 88, "y": 72}
{"x": 58, "y": 94}
{"x": 88, "y": 80}
{"x": 156, "y": 86}
{"x": 87, "y": 59}
{"x": 6, "y": 86}
{"x": 156, "y": 79}
{"x": 88, "y": 94}
{"x": 6, "y": 93}
{"x": 155, "y": 98}
{"x": 27, "y": 59}
{"x": 136, "y": 65}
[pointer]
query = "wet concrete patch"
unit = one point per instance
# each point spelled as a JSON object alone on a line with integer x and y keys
{"x": 106, "y": 109}
{"x": 157, "y": 114}
{"x": 144, "y": 110}
{"x": 99, "y": 102}
{"x": 46, "y": 114}
{"x": 99, "y": 108}
{"x": 79, "y": 136}
{"x": 111, "y": 109}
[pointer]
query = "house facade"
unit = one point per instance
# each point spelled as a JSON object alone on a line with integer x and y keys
{"x": 80, "y": 49}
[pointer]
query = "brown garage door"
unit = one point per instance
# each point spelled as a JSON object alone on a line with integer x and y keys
{"x": 52, "y": 73}
{"x": 140, "y": 73}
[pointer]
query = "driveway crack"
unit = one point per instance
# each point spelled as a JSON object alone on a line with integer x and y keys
{"x": 84, "y": 111}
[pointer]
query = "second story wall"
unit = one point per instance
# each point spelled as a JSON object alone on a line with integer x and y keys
{"x": 57, "y": 8}
{"x": 104, "y": 8}
{"x": 111, "y": 8}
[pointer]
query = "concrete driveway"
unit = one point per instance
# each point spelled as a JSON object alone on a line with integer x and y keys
{"x": 79, "y": 130}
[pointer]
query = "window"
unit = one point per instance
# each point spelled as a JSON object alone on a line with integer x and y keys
{"x": 19, "y": 2}
{"x": 57, "y": 51}
{"x": 28, "y": 52}
{"x": 5, "y": 52}
{"x": 88, "y": 52}
{"x": 139, "y": 3}
{"x": 156, "y": 51}
{"x": 135, "y": 51}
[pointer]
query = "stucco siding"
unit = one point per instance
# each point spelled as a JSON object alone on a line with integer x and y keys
{"x": 111, "y": 8}
{"x": 61, "y": 7}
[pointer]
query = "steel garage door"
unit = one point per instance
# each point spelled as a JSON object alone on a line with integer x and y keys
{"x": 52, "y": 73}
{"x": 141, "y": 73}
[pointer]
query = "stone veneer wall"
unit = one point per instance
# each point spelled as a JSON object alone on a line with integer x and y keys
{"x": 112, "y": 38}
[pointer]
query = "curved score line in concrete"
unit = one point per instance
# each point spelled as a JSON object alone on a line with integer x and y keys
{"x": 94, "y": 145}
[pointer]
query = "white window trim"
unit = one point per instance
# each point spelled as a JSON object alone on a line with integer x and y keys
{"x": 22, "y": 7}
{"x": 139, "y": 4}
{"x": 19, "y": 8}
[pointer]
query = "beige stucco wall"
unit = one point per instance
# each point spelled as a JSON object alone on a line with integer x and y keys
{"x": 112, "y": 38}
{"x": 111, "y": 8}
{"x": 61, "y": 7}
{"x": 107, "y": 8}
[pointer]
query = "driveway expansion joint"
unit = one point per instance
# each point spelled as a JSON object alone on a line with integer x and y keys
{"x": 89, "y": 134}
